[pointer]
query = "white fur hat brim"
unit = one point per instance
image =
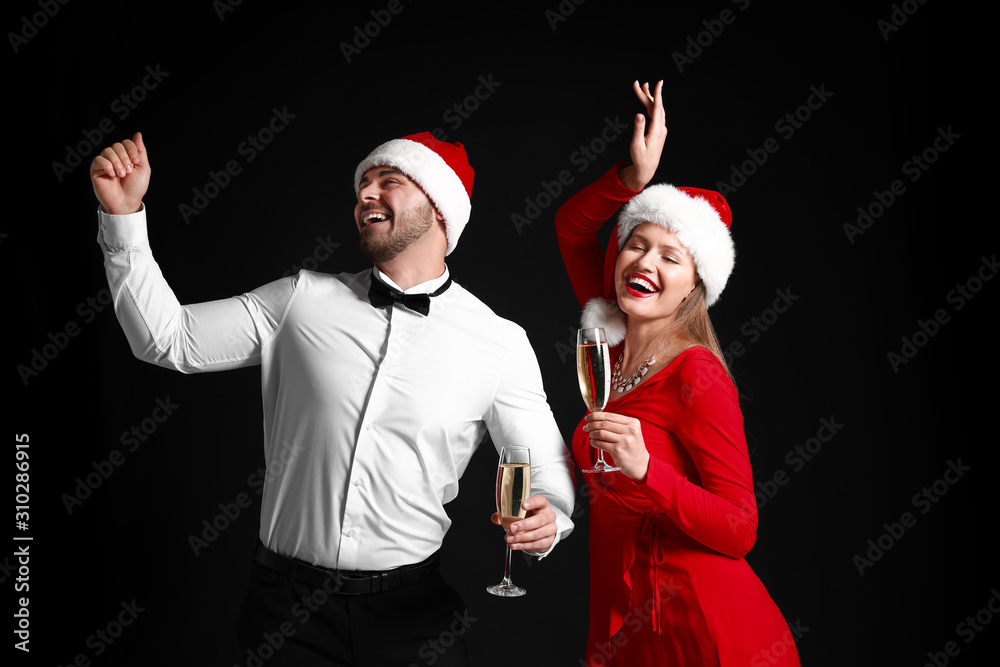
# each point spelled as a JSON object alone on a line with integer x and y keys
{"x": 697, "y": 224}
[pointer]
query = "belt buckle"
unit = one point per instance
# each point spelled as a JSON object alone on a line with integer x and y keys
{"x": 371, "y": 582}
{"x": 355, "y": 584}
{"x": 336, "y": 578}
{"x": 391, "y": 579}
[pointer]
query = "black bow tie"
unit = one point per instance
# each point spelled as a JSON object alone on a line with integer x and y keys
{"x": 380, "y": 294}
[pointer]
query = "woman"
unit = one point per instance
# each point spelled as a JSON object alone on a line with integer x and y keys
{"x": 669, "y": 584}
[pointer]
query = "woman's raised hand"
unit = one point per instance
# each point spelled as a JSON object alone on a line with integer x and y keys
{"x": 647, "y": 142}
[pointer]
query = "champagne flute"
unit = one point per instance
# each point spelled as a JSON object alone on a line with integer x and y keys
{"x": 593, "y": 369}
{"x": 513, "y": 488}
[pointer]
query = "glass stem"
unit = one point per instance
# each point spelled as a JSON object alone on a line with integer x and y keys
{"x": 506, "y": 568}
{"x": 600, "y": 453}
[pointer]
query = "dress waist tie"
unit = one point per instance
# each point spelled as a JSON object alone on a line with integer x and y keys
{"x": 649, "y": 531}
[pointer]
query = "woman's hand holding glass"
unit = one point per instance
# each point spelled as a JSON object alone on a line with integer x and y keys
{"x": 621, "y": 437}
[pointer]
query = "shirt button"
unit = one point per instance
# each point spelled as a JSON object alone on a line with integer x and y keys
{"x": 359, "y": 482}
{"x": 368, "y": 427}
{"x": 350, "y": 533}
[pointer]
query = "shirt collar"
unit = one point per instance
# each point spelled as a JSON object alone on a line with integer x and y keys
{"x": 423, "y": 288}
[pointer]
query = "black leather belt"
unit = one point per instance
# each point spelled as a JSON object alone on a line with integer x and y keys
{"x": 346, "y": 582}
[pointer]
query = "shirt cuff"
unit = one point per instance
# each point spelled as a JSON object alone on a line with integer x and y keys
{"x": 564, "y": 526}
{"x": 122, "y": 231}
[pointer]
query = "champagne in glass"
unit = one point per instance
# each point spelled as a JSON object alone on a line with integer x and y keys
{"x": 513, "y": 488}
{"x": 593, "y": 370}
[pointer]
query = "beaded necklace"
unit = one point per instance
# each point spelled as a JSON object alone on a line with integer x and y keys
{"x": 622, "y": 385}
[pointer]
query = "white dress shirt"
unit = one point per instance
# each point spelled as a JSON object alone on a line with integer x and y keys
{"x": 371, "y": 414}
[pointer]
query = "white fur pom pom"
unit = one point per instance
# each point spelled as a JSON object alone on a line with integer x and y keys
{"x": 602, "y": 313}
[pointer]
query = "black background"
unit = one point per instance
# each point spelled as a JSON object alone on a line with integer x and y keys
{"x": 557, "y": 81}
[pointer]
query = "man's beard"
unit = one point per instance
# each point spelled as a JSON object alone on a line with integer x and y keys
{"x": 407, "y": 227}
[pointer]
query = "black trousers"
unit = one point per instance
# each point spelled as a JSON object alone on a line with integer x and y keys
{"x": 286, "y": 622}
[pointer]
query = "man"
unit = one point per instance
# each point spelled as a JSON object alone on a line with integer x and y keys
{"x": 374, "y": 402}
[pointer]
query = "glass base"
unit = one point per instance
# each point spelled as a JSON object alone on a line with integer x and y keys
{"x": 506, "y": 590}
{"x": 600, "y": 466}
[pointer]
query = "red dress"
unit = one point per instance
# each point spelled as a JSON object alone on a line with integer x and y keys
{"x": 668, "y": 581}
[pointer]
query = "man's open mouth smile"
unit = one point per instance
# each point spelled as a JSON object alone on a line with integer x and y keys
{"x": 372, "y": 217}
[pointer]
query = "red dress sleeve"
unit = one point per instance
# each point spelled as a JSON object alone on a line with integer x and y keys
{"x": 577, "y": 223}
{"x": 718, "y": 509}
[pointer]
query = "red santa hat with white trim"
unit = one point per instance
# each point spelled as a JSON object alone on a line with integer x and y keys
{"x": 440, "y": 168}
{"x": 701, "y": 220}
